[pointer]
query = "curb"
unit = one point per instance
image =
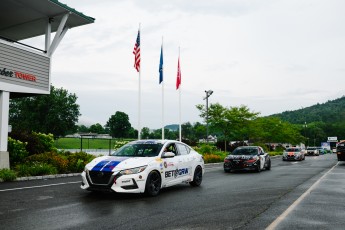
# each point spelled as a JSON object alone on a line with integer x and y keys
{"x": 29, "y": 178}
{"x": 46, "y": 177}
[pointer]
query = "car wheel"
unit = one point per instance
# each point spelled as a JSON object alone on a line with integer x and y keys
{"x": 268, "y": 167}
{"x": 197, "y": 178}
{"x": 227, "y": 170}
{"x": 153, "y": 184}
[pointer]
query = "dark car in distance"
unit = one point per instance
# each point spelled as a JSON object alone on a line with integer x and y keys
{"x": 247, "y": 158}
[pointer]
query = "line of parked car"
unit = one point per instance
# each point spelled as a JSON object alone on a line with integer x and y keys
{"x": 297, "y": 153}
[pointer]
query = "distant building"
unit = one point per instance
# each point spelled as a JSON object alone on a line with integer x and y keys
{"x": 89, "y": 135}
{"x": 210, "y": 139}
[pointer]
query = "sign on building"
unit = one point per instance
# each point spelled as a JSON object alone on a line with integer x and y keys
{"x": 23, "y": 71}
{"x": 332, "y": 139}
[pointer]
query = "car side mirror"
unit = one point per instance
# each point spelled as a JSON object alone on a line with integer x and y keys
{"x": 168, "y": 155}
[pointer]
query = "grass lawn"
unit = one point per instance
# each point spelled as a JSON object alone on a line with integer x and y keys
{"x": 88, "y": 143}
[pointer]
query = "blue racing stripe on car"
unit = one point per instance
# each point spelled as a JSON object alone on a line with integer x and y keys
{"x": 105, "y": 166}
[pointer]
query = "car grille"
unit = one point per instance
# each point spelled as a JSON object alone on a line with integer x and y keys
{"x": 100, "y": 178}
{"x": 237, "y": 164}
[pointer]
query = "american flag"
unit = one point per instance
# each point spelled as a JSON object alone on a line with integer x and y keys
{"x": 136, "y": 52}
{"x": 178, "y": 79}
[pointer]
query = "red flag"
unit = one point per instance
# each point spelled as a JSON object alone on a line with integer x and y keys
{"x": 136, "y": 53}
{"x": 178, "y": 79}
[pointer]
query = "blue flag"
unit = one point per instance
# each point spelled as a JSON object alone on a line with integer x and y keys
{"x": 161, "y": 66}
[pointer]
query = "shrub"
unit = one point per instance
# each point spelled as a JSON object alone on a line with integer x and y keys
{"x": 46, "y": 141}
{"x": 275, "y": 153}
{"x": 52, "y": 158}
{"x": 77, "y": 161}
{"x": 17, "y": 151}
{"x": 213, "y": 158}
{"x": 205, "y": 149}
{"x": 36, "y": 142}
{"x": 7, "y": 175}
{"x": 35, "y": 169}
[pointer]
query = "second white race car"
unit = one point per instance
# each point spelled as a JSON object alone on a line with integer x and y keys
{"x": 144, "y": 166}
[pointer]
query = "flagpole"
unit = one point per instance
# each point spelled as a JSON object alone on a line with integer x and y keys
{"x": 180, "y": 131}
{"x": 162, "y": 95}
{"x": 139, "y": 95}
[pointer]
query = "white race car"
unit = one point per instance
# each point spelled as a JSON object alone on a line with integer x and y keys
{"x": 144, "y": 166}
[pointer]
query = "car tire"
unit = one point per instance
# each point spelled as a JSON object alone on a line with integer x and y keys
{"x": 197, "y": 178}
{"x": 153, "y": 184}
{"x": 268, "y": 167}
{"x": 227, "y": 170}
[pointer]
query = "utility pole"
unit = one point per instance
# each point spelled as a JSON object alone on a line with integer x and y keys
{"x": 208, "y": 94}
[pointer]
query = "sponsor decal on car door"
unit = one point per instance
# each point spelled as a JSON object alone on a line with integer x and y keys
{"x": 186, "y": 162}
{"x": 169, "y": 170}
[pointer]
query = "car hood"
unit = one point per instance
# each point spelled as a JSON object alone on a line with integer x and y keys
{"x": 240, "y": 157}
{"x": 114, "y": 163}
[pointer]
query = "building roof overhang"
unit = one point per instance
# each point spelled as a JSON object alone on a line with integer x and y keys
{"x": 23, "y": 19}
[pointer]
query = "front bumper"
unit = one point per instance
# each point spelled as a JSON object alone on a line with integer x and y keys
{"x": 113, "y": 182}
{"x": 240, "y": 165}
{"x": 292, "y": 157}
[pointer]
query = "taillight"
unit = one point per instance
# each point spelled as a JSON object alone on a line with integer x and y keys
{"x": 226, "y": 160}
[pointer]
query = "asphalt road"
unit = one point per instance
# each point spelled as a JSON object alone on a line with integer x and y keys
{"x": 292, "y": 195}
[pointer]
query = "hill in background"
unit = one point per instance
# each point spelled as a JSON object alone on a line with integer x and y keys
{"x": 329, "y": 112}
{"x": 172, "y": 127}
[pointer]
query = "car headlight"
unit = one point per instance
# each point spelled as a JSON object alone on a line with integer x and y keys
{"x": 133, "y": 170}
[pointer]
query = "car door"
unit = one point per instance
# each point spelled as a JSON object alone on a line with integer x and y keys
{"x": 171, "y": 165}
{"x": 186, "y": 162}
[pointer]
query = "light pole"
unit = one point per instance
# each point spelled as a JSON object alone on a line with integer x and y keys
{"x": 305, "y": 131}
{"x": 208, "y": 93}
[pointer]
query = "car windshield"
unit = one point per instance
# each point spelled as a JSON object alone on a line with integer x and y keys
{"x": 139, "y": 150}
{"x": 245, "y": 151}
{"x": 293, "y": 150}
{"x": 311, "y": 148}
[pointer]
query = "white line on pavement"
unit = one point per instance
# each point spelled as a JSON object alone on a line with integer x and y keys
{"x": 39, "y": 186}
{"x": 280, "y": 218}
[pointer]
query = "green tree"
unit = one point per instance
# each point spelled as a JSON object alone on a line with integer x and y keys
{"x": 145, "y": 133}
{"x": 83, "y": 129}
{"x": 274, "y": 130}
{"x": 119, "y": 125}
{"x": 200, "y": 130}
{"x": 232, "y": 122}
{"x": 96, "y": 128}
{"x": 56, "y": 113}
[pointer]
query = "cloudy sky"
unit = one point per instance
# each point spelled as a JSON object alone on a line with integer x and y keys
{"x": 270, "y": 55}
